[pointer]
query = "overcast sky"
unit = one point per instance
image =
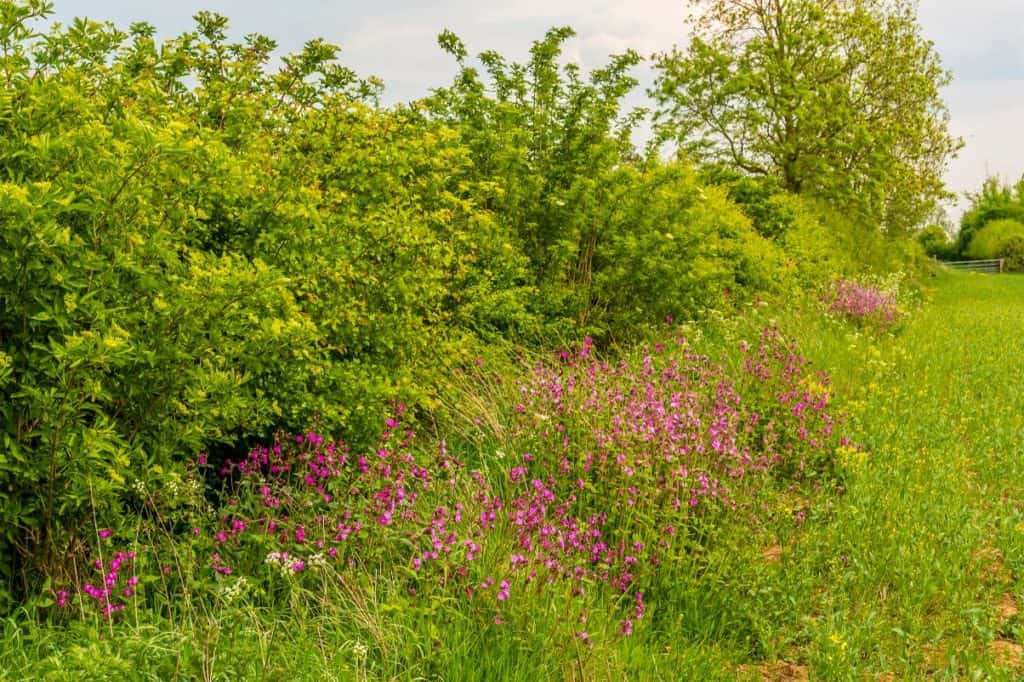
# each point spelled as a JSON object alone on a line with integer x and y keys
{"x": 982, "y": 42}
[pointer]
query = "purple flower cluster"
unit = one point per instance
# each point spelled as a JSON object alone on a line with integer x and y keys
{"x": 314, "y": 502}
{"x": 617, "y": 460}
{"x": 864, "y": 304}
{"x": 116, "y": 582}
{"x": 611, "y": 465}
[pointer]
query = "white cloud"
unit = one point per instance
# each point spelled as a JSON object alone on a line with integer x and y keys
{"x": 989, "y": 117}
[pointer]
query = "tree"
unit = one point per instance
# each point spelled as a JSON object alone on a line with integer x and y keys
{"x": 614, "y": 239}
{"x": 838, "y": 99}
{"x": 995, "y": 201}
{"x": 935, "y": 242}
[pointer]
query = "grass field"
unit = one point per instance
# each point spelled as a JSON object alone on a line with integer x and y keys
{"x": 917, "y": 573}
{"x": 912, "y": 571}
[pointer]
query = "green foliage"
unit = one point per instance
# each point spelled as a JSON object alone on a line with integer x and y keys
{"x": 761, "y": 198}
{"x": 994, "y": 202}
{"x": 190, "y": 265}
{"x": 936, "y": 243}
{"x": 1013, "y": 253}
{"x": 615, "y": 240}
{"x": 125, "y": 345}
{"x": 200, "y": 250}
{"x": 837, "y": 100}
{"x": 552, "y": 151}
{"x": 992, "y": 240}
{"x": 681, "y": 248}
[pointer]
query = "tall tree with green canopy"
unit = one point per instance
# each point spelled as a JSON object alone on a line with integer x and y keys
{"x": 838, "y": 99}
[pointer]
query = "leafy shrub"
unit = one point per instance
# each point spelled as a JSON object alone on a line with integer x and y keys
{"x": 615, "y": 240}
{"x": 936, "y": 242}
{"x": 994, "y": 202}
{"x": 676, "y": 248}
{"x": 992, "y": 239}
{"x": 761, "y": 198}
{"x": 1013, "y": 252}
{"x": 200, "y": 252}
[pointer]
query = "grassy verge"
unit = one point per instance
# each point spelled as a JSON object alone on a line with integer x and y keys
{"x": 910, "y": 571}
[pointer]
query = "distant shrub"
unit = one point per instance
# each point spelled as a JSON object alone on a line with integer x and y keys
{"x": 1013, "y": 252}
{"x": 992, "y": 240}
{"x": 994, "y": 202}
{"x": 936, "y": 243}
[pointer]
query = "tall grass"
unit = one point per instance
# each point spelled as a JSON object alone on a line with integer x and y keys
{"x": 900, "y": 559}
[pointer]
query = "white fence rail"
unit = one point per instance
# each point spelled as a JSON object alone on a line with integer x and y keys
{"x": 992, "y": 266}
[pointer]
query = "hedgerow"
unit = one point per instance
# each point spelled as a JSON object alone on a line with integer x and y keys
{"x": 200, "y": 250}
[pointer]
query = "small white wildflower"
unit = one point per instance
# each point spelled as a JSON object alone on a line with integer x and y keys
{"x": 233, "y": 590}
{"x": 282, "y": 561}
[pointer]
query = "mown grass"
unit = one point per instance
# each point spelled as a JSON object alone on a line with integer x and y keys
{"x": 912, "y": 571}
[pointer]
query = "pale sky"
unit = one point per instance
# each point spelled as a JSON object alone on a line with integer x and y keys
{"x": 982, "y": 42}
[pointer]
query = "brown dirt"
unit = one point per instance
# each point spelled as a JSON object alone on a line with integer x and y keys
{"x": 773, "y": 554}
{"x": 778, "y": 672}
{"x": 1007, "y": 653}
{"x": 1007, "y": 608}
{"x": 935, "y": 657}
{"x": 992, "y": 568}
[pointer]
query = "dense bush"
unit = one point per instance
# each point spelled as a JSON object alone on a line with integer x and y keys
{"x": 1013, "y": 254}
{"x": 995, "y": 201}
{"x": 936, "y": 243}
{"x": 199, "y": 250}
{"x": 994, "y": 239}
{"x": 615, "y": 239}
